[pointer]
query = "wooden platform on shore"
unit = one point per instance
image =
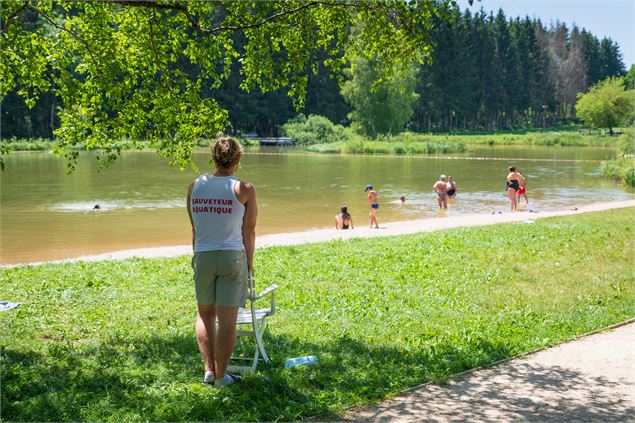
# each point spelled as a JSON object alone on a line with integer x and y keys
{"x": 277, "y": 141}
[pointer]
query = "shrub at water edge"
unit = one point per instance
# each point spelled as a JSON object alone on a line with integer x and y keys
{"x": 313, "y": 130}
{"x": 622, "y": 169}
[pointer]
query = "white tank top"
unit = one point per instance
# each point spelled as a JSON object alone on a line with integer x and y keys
{"x": 217, "y": 214}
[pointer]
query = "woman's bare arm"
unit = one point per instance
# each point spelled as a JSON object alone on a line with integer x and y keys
{"x": 247, "y": 196}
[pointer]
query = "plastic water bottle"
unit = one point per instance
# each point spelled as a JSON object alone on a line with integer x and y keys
{"x": 299, "y": 361}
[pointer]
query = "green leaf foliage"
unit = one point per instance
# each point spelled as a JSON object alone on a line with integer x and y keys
{"x": 381, "y": 104}
{"x": 313, "y": 130}
{"x": 606, "y": 104}
{"x": 485, "y": 71}
{"x": 629, "y": 78}
{"x": 622, "y": 169}
{"x": 150, "y": 70}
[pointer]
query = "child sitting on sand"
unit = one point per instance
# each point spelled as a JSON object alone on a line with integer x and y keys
{"x": 343, "y": 219}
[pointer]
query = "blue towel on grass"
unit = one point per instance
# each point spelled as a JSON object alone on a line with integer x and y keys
{"x": 6, "y": 305}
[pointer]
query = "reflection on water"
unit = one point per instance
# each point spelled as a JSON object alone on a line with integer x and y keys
{"x": 46, "y": 214}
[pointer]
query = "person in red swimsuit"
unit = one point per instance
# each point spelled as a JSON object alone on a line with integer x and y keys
{"x": 523, "y": 189}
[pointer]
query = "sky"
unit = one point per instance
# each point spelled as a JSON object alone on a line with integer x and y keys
{"x": 614, "y": 19}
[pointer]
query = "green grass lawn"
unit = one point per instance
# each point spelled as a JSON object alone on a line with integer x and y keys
{"x": 114, "y": 341}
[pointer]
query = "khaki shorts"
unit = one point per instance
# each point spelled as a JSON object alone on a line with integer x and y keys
{"x": 221, "y": 277}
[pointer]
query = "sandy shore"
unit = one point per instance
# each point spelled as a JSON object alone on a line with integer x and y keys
{"x": 388, "y": 229}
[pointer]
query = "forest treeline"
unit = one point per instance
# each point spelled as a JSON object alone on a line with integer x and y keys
{"x": 487, "y": 72}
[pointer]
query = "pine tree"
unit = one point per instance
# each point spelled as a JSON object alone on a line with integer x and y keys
{"x": 592, "y": 59}
{"x": 611, "y": 59}
{"x": 468, "y": 75}
{"x": 524, "y": 70}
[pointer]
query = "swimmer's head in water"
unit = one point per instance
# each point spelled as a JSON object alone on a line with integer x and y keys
{"x": 402, "y": 198}
{"x": 442, "y": 177}
{"x": 344, "y": 209}
{"x": 368, "y": 187}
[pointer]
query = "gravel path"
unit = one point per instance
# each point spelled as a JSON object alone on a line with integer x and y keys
{"x": 591, "y": 379}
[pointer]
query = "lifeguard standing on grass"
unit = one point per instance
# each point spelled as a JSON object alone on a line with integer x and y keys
{"x": 223, "y": 212}
{"x": 374, "y": 205}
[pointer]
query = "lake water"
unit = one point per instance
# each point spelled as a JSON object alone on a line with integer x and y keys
{"x": 46, "y": 214}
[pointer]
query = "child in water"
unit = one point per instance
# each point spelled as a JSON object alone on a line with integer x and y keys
{"x": 522, "y": 190}
{"x": 401, "y": 201}
{"x": 343, "y": 219}
{"x": 451, "y": 186}
{"x": 374, "y": 205}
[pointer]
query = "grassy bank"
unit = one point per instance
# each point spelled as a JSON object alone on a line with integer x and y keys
{"x": 622, "y": 169}
{"x": 549, "y": 138}
{"x": 384, "y": 147}
{"x": 113, "y": 341}
{"x": 411, "y": 143}
{"x": 30, "y": 144}
{"x": 43, "y": 144}
{"x": 405, "y": 143}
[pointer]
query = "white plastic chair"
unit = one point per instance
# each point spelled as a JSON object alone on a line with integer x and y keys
{"x": 251, "y": 323}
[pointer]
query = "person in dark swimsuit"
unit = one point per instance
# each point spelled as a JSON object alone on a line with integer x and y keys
{"x": 512, "y": 185}
{"x": 343, "y": 220}
{"x": 451, "y": 185}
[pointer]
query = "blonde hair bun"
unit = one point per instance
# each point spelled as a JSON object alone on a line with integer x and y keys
{"x": 226, "y": 152}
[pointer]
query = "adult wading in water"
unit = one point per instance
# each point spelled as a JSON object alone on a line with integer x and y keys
{"x": 441, "y": 188}
{"x": 512, "y": 185}
{"x": 223, "y": 212}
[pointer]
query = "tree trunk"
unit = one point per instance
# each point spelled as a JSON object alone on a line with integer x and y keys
{"x": 52, "y": 120}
